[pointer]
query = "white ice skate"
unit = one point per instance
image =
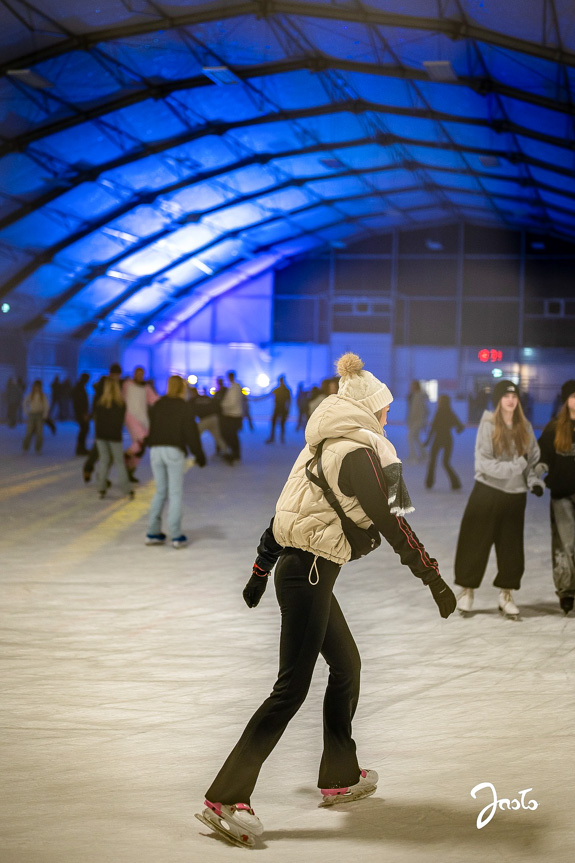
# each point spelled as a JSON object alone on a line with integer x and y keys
{"x": 465, "y": 601}
{"x": 506, "y": 605}
{"x": 364, "y": 788}
{"x": 237, "y": 824}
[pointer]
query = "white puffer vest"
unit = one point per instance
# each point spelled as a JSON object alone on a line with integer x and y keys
{"x": 304, "y": 519}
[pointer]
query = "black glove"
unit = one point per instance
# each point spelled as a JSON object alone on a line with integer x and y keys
{"x": 443, "y": 596}
{"x": 200, "y": 460}
{"x": 255, "y": 588}
{"x": 538, "y": 488}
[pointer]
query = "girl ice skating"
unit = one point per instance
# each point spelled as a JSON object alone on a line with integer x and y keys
{"x": 345, "y": 488}
{"x": 506, "y": 453}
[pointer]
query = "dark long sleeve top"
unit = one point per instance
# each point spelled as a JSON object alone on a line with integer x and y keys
{"x": 560, "y": 479}
{"x": 443, "y": 422}
{"x": 109, "y": 422}
{"x": 172, "y": 423}
{"x": 361, "y": 476}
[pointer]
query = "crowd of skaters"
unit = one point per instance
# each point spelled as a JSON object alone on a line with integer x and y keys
{"x": 509, "y": 461}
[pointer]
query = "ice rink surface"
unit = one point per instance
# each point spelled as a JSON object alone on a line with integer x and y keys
{"x": 127, "y": 674}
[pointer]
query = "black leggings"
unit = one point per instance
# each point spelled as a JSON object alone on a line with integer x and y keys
{"x": 491, "y": 517}
{"x": 312, "y": 623}
{"x": 436, "y": 447}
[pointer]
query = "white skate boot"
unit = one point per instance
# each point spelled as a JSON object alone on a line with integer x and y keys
{"x": 506, "y": 605}
{"x": 236, "y": 823}
{"x": 364, "y": 788}
{"x": 465, "y": 601}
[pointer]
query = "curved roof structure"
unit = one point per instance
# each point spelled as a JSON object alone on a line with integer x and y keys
{"x": 153, "y": 155}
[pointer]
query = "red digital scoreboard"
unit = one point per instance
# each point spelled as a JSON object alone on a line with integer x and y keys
{"x": 489, "y": 355}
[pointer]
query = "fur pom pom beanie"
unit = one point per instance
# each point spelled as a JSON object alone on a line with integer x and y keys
{"x": 360, "y": 385}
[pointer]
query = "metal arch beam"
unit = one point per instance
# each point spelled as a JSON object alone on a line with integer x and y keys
{"x": 145, "y": 281}
{"x": 361, "y": 14}
{"x": 482, "y": 85}
{"x": 262, "y": 158}
{"x": 357, "y": 106}
{"x": 87, "y": 329}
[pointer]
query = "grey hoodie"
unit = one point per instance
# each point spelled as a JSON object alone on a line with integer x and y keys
{"x": 513, "y": 474}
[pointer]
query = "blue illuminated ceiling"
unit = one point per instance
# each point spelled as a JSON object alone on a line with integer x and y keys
{"x": 134, "y": 187}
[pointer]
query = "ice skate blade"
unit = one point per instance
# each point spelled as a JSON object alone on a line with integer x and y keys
{"x": 230, "y": 837}
{"x": 463, "y": 613}
{"x": 338, "y": 799}
{"x": 509, "y": 616}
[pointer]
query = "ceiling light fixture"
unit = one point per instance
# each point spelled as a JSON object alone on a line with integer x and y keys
{"x": 201, "y": 266}
{"x": 32, "y": 79}
{"x": 489, "y": 161}
{"x": 221, "y": 75}
{"x": 440, "y": 70}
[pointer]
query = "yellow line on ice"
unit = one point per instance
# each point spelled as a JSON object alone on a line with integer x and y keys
{"x": 122, "y": 514}
{"x": 11, "y": 491}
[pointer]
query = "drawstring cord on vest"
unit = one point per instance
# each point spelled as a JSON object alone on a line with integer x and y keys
{"x": 314, "y": 566}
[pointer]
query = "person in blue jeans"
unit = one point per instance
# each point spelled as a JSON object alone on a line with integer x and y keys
{"x": 173, "y": 431}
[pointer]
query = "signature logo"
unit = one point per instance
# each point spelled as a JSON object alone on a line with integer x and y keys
{"x": 488, "y": 811}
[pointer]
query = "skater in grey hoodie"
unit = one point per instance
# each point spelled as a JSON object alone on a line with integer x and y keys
{"x": 506, "y": 454}
{"x": 310, "y": 538}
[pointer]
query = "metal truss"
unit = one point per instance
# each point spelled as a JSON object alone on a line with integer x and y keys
{"x": 71, "y": 179}
{"x": 130, "y": 202}
{"x": 145, "y": 281}
{"x": 455, "y": 29}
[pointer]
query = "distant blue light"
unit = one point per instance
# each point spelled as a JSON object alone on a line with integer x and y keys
{"x": 151, "y": 328}
{"x": 5, "y": 308}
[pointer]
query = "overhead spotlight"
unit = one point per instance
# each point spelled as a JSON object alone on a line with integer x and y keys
{"x": 116, "y": 326}
{"x": 151, "y": 328}
{"x": 332, "y": 163}
{"x": 440, "y": 70}
{"x": 192, "y": 380}
{"x": 263, "y": 381}
{"x": 433, "y": 245}
{"x": 221, "y": 75}
{"x": 246, "y": 391}
{"x": 32, "y": 79}
{"x": 5, "y": 308}
{"x": 489, "y": 161}
{"x": 212, "y": 391}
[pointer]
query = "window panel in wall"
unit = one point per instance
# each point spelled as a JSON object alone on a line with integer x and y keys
{"x": 550, "y": 278}
{"x": 431, "y": 322}
{"x": 300, "y": 319}
{"x": 305, "y": 277}
{"x": 362, "y": 276}
{"x": 491, "y": 278}
{"x": 491, "y": 241}
{"x": 490, "y": 323}
{"x": 427, "y": 277}
{"x": 549, "y": 332}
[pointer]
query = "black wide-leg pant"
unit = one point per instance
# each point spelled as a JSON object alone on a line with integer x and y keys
{"x": 491, "y": 517}
{"x": 311, "y": 623}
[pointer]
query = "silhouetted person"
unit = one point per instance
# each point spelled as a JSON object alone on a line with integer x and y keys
{"x": 81, "y": 405}
{"x": 36, "y": 407}
{"x": 282, "y": 402}
{"x": 232, "y": 410}
{"x": 442, "y": 439}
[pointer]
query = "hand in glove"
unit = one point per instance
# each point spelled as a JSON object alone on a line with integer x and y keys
{"x": 254, "y": 589}
{"x": 443, "y": 596}
{"x": 537, "y": 487}
{"x": 200, "y": 459}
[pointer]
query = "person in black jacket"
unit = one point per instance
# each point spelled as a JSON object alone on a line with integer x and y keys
{"x": 440, "y": 432}
{"x": 173, "y": 431}
{"x": 557, "y": 444}
{"x": 109, "y": 413}
{"x": 81, "y": 405}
